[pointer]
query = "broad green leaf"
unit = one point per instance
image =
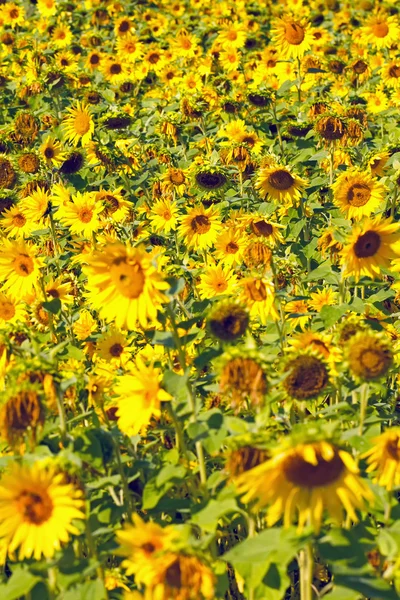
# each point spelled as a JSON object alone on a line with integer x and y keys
{"x": 20, "y": 583}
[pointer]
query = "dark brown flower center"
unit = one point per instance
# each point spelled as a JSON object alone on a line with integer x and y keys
{"x": 231, "y": 248}
{"x": 294, "y": 33}
{"x": 35, "y": 508}
{"x": 394, "y": 71}
{"x": 200, "y": 224}
{"x": 367, "y": 244}
{"x": 262, "y": 228}
{"x": 116, "y": 350}
{"x": 305, "y": 475}
{"x": 281, "y": 180}
{"x": 115, "y": 69}
{"x": 49, "y": 152}
{"x": 360, "y": 67}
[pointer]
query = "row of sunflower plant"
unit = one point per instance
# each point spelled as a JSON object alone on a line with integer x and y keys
{"x": 199, "y": 300}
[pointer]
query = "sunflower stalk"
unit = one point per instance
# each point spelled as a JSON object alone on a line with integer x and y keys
{"x": 306, "y": 565}
{"x": 363, "y": 405}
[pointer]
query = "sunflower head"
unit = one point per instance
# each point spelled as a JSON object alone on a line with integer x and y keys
{"x": 243, "y": 377}
{"x": 73, "y": 163}
{"x": 307, "y": 375}
{"x": 369, "y": 355}
{"x": 210, "y": 178}
{"x": 228, "y": 321}
{"x": 8, "y": 175}
{"x": 259, "y": 99}
{"x": 22, "y": 414}
{"x": 330, "y": 127}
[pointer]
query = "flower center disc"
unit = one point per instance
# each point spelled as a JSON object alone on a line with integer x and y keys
{"x": 380, "y": 30}
{"x": 129, "y": 279}
{"x": 262, "y": 228}
{"x": 116, "y": 350}
{"x": 177, "y": 177}
{"x": 307, "y": 378}
{"x": 360, "y": 67}
{"x": 294, "y": 33}
{"x": 82, "y": 123}
{"x": 85, "y": 215}
{"x": 367, "y": 244}
{"x": 256, "y": 290}
{"x": 371, "y": 360}
{"x": 49, "y": 152}
{"x": 200, "y": 224}
{"x": 281, "y": 180}
{"x": 35, "y": 508}
{"x": 23, "y": 265}
{"x": 358, "y": 194}
{"x": 392, "y": 448}
{"x": 303, "y": 474}
{"x": 19, "y": 220}
{"x": 231, "y": 248}
{"x": 7, "y": 311}
{"x": 173, "y": 575}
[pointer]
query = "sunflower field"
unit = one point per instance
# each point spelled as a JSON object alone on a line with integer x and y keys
{"x": 199, "y": 300}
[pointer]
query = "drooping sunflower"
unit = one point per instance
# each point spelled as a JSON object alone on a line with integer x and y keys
{"x": 216, "y": 281}
{"x": 37, "y": 509}
{"x": 292, "y": 37}
{"x": 52, "y": 151}
{"x": 199, "y": 228}
{"x": 307, "y": 375}
{"x": 210, "y": 178}
{"x": 81, "y": 215}
{"x": 369, "y": 355}
{"x": 357, "y": 193}
{"x": 124, "y": 285}
{"x": 305, "y": 481}
{"x": 371, "y": 247}
{"x": 139, "y": 398}
{"x": 228, "y": 320}
{"x": 265, "y": 228}
{"x": 243, "y": 377}
{"x": 280, "y": 184}
{"x": 384, "y": 458}
{"x": 318, "y": 343}
{"x": 20, "y": 265}
{"x": 78, "y": 125}
{"x": 380, "y": 30}
{"x": 258, "y": 294}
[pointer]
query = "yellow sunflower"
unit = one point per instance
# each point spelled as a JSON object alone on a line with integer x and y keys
{"x": 370, "y": 248}
{"x": 179, "y": 576}
{"x": 379, "y": 30}
{"x": 112, "y": 346}
{"x": 19, "y": 267}
{"x": 291, "y": 37}
{"x": 357, "y": 193}
{"x": 82, "y": 214}
{"x": 258, "y": 294}
{"x": 163, "y": 215}
{"x": 37, "y": 509}
{"x": 116, "y": 207}
{"x": 139, "y": 396}
{"x": 384, "y": 458}
{"x": 11, "y": 310}
{"x": 84, "y": 326}
{"x": 35, "y": 206}
{"x": 305, "y": 481}
{"x": 324, "y": 297}
{"x": 297, "y": 308}
{"x": 216, "y": 281}
{"x": 78, "y": 125}
{"x": 279, "y": 183}
{"x": 230, "y": 246}
{"x": 52, "y": 152}
{"x": 124, "y": 285}
{"x": 200, "y": 227}
{"x": 15, "y": 222}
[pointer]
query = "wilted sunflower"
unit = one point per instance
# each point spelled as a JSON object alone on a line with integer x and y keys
{"x": 8, "y": 175}
{"x": 305, "y": 481}
{"x": 243, "y": 377}
{"x": 139, "y": 398}
{"x": 384, "y": 458}
{"x": 369, "y": 355}
{"x": 330, "y": 127}
{"x": 307, "y": 375}
{"x": 210, "y": 178}
{"x": 37, "y": 508}
{"x": 124, "y": 285}
{"x": 371, "y": 247}
{"x": 29, "y": 162}
{"x": 378, "y": 163}
{"x": 292, "y": 37}
{"x": 21, "y": 414}
{"x": 357, "y": 194}
{"x": 228, "y": 320}
{"x": 279, "y": 183}
{"x": 19, "y": 267}
{"x": 78, "y": 125}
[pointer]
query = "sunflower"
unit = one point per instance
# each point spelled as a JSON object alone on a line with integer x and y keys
{"x": 307, "y": 375}
{"x": 55, "y": 288}
{"x": 324, "y": 297}
{"x": 384, "y": 458}
{"x": 36, "y": 206}
{"x": 200, "y": 227}
{"x": 52, "y": 152}
{"x": 124, "y": 285}
{"x": 12, "y": 14}
{"x": 94, "y": 60}
{"x": 15, "y": 222}
{"x": 317, "y": 343}
{"x": 357, "y": 193}
{"x": 112, "y": 347}
{"x": 210, "y": 178}
{"x": 84, "y": 326}
{"x": 130, "y": 48}
{"x": 82, "y": 214}
{"x": 264, "y": 228}
{"x": 369, "y": 355}
{"x": 114, "y": 70}
{"x": 174, "y": 180}
{"x": 37, "y": 509}
{"x": 228, "y": 320}
{"x": 243, "y": 377}
{"x": 19, "y": 267}
{"x": 371, "y": 247}
{"x": 297, "y": 308}
{"x": 232, "y": 34}
{"x": 61, "y": 36}
{"x": 306, "y": 480}
{"x": 391, "y": 73}
{"x": 257, "y": 293}
{"x": 184, "y": 44}
{"x": 8, "y": 175}
{"x": 278, "y": 183}
{"x": 116, "y": 207}
{"x": 217, "y": 280}
{"x": 230, "y": 246}
{"x": 163, "y": 215}
{"x": 29, "y": 162}
{"x": 179, "y": 577}
{"x": 230, "y": 59}
{"x": 139, "y": 396}
{"x": 123, "y": 26}
{"x": 78, "y": 125}
{"x": 291, "y": 37}
{"x": 379, "y": 30}
{"x": 11, "y": 310}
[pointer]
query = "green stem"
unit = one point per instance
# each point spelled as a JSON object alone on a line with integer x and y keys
{"x": 306, "y": 562}
{"x": 363, "y": 405}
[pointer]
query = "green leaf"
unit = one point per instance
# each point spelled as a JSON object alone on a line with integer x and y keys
{"x": 208, "y": 517}
{"x": 368, "y": 585}
{"x": 20, "y": 583}
{"x": 90, "y": 590}
{"x": 331, "y": 314}
{"x": 320, "y": 272}
{"x": 53, "y": 307}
